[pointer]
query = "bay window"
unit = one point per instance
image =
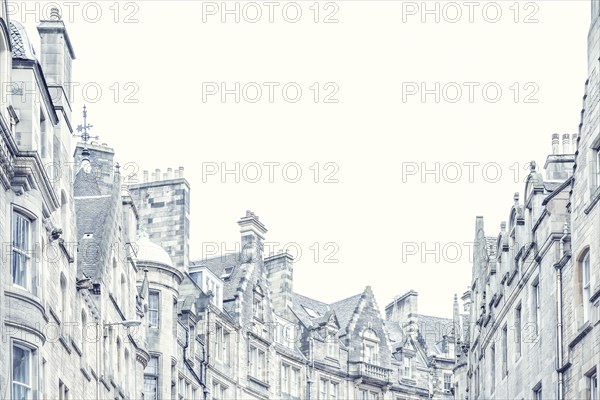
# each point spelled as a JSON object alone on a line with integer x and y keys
{"x": 22, "y": 372}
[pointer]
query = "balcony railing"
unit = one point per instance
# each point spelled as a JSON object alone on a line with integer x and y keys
{"x": 367, "y": 370}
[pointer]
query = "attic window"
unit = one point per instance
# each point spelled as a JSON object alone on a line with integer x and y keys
{"x": 311, "y": 313}
{"x": 88, "y": 235}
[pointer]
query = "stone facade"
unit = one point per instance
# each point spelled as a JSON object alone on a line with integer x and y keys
{"x": 529, "y": 326}
{"x": 100, "y": 300}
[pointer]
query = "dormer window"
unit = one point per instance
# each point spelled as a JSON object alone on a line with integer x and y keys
{"x": 370, "y": 347}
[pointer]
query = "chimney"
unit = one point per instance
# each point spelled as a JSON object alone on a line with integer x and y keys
{"x": 574, "y": 142}
{"x": 404, "y": 310}
{"x": 555, "y": 143}
{"x": 559, "y": 164}
{"x": 57, "y": 56}
{"x": 252, "y": 232}
{"x": 169, "y": 173}
{"x": 156, "y": 174}
{"x": 567, "y": 144}
{"x": 145, "y": 175}
{"x": 181, "y": 172}
{"x": 279, "y": 269}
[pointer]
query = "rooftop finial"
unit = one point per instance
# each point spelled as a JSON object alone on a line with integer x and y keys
{"x": 83, "y": 129}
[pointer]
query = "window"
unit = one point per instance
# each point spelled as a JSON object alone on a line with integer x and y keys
{"x": 328, "y": 390}
{"x": 124, "y": 300}
{"x": 493, "y": 366}
{"x": 504, "y": 351}
{"x": 536, "y": 306}
{"x": 537, "y": 393}
{"x": 22, "y": 274}
{"x": 518, "y": 331}
{"x": 332, "y": 343}
{"x": 447, "y": 382}
{"x": 153, "y": 309}
{"x": 118, "y": 356}
{"x": 257, "y": 363}
{"x": 367, "y": 395}
{"x": 592, "y": 383}
{"x": 63, "y": 391}
{"x": 219, "y": 392}
{"x": 596, "y": 161}
{"x": 257, "y": 307}
{"x": 586, "y": 286}
{"x": 151, "y": 374}
{"x": 22, "y": 374}
{"x": 222, "y": 344}
{"x": 407, "y": 364}
{"x": 290, "y": 380}
{"x": 370, "y": 347}
{"x": 63, "y": 298}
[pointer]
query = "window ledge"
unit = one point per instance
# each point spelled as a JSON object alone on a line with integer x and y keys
{"x": 85, "y": 373}
{"x": 258, "y": 381}
{"x": 593, "y": 201}
{"x": 583, "y": 331}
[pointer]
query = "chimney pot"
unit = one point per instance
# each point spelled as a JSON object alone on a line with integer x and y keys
{"x": 555, "y": 142}
{"x": 55, "y": 14}
{"x": 566, "y": 144}
{"x": 169, "y": 173}
{"x": 181, "y": 172}
{"x": 145, "y": 176}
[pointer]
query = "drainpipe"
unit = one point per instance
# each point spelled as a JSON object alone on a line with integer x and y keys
{"x": 559, "y": 338}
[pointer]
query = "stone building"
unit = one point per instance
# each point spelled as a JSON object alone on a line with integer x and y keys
{"x": 100, "y": 300}
{"x": 529, "y": 326}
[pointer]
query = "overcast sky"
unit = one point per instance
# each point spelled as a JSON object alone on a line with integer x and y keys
{"x": 370, "y": 131}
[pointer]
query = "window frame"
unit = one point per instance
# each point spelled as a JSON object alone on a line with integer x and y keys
{"x": 586, "y": 285}
{"x": 31, "y": 385}
{"x": 154, "y": 311}
{"x": 152, "y": 376}
{"x": 257, "y": 362}
{"x": 592, "y": 385}
{"x": 27, "y": 252}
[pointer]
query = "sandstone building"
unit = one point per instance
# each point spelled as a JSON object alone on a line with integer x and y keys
{"x": 99, "y": 298}
{"x": 529, "y": 324}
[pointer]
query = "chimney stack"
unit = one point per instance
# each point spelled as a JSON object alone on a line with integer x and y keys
{"x": 252, "y": 231}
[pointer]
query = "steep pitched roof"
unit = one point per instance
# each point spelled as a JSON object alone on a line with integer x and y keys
{"x": 432, "y": 330}
{"x": 344, "y": 309}
{"x": 220, "y": 267}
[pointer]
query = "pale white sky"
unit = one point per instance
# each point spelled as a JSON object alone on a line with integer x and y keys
{"x": 378, "y": 51}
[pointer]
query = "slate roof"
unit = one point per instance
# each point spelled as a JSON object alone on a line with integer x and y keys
{"x": 432, "y": 330}
{"x": 344, "y": 309}
{"x": 299, "y": 303}
{"x": 91, "y": 210}
{"x": 21, "y": 47}
{"x": 85, "y": 184}
{"x": 217, "y": 266}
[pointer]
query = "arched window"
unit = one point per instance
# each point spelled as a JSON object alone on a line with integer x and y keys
{"x": 585, "y": 285}
{"x": 370, "y": 347}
